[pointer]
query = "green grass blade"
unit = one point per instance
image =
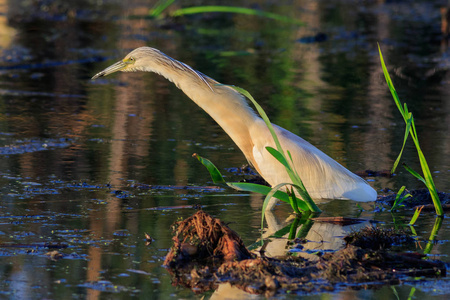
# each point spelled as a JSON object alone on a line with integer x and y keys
{"x": 415, "y": 174}
{"x": 293, "y": 175}
{"x": 430, "y": 183}
{"x": 399, "y": 194}
{"x": 301, "y": 204}
{"x": 267, "y": 200}
{"x": 283, "y": 231}
{"x": 245, "y": 186}
{"x": 394, "y": 291}
{"x": 293, "y": 229}
{"x": 281, "y": 195}
{"x": 294, "y": 201}
{"x": 413, "y": 231}
{"x": 303, "y": 190}
{"x": 263, "y": 115}
{"x": 306, "y": 227}
{"x": 257, "y": 188}
{"x": 391, "y": 85}
{"x": 411, "y": 293}
{"x": 415, "y": 216}
{"x": 398, "y": 198}
{"x": 296, "y": 180}
{"x": 159, "y": 7}
{"x": 408, "y": 127}
{"x": 279, "y": 156}
{"x": 213, "y": 171}
{"x": 427, "y": 179}
{"x": 432, "y": 239}
{"x": 425, "y": 169}
{"x": 236, "y": 10}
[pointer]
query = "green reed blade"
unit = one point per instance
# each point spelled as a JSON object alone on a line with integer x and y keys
{"x": 258, "y": 188}
{"x": 415, "y": 216}
{"x": 427, "y": 179}
{"x": 159, "y": 7}
{"x": 408, "y": 126}
{"x": 236, "y": 10}
{"x": 213, "y": 171}
{"x": 293, "y": 175}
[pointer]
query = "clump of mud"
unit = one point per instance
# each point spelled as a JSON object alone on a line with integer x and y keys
{"x": 207, "y": 253}
{"x": 418, "y": 198}
{"x": 376, "y": 238}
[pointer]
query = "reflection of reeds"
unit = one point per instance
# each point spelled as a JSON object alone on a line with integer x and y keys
{"x": 433, "y": 234}
{"x": 427, "y": 179}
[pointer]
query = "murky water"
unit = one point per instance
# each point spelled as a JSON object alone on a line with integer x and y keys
{"x": 89, "y": 167}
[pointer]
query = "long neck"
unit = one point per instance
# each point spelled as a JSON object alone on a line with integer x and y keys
{"x": 226, "y": 106}
{"x": 229, "y": 109}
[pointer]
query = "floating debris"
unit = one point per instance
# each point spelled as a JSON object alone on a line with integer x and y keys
{"x": 54, "y": 255}
{"x": 148, "y": 239}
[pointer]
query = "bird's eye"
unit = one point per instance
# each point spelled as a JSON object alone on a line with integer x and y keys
{"x": 130, "y": 60}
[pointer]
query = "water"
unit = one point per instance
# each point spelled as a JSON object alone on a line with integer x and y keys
{"x": 94, "y": 165}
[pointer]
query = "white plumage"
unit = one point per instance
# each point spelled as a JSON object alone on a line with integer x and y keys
{"x": 323, "y": 177}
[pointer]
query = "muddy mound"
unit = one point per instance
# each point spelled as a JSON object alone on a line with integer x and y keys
{"x": 207, "y": 253}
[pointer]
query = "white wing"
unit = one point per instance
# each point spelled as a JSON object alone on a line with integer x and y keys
{"x": 323, "y": 177}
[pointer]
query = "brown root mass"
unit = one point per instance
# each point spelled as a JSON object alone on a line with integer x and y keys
{"x": 204, "y": 237}
{"x": 207, "y": 253}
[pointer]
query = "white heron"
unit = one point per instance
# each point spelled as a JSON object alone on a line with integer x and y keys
{"x": 323, "y": 177}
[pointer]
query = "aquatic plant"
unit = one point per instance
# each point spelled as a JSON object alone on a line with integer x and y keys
{"x": 280, "y": 155}
{"x": 304, "y": 204}
{"x": 298, "y": 205}
{"x": 415, "y": 216}
{"x": 399, "y": 198}
{"x": 162, "y": 5}
{"x": 427, "y": 179}
{"x": 432, "y": 239}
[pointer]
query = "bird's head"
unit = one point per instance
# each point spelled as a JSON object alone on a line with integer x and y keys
{"x": 140, "y": 59}
{"x": 152, "y": 60}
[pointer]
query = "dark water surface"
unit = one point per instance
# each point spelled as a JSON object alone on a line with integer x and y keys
{"x": 91, "y": 166}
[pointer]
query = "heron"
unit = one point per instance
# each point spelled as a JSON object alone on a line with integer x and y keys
{"x": 323, "y": 177}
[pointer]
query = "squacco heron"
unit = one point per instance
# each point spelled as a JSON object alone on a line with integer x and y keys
{"x": 323, "y": 177}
